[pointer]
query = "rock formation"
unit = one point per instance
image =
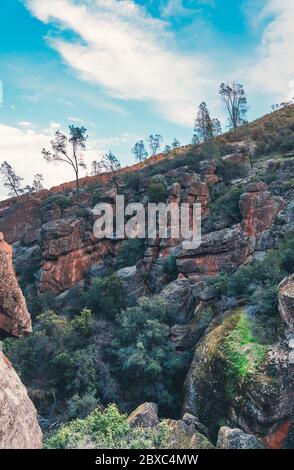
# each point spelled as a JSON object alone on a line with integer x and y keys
{"x": 14, "y": 317}
{"x": 19, "y": 427}
{"x": 286, "y": 301}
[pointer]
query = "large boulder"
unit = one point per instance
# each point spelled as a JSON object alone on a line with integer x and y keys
{"x": 194, "y": 422}
{"x": 14, "y": 316}
{"x": 182, "y": 436}
{"x": 286, "y": 301}
{"x": 223, "y": 250}
{"x": 19, "y": 427}
{"x": 229, "y": 438}
{"x": 258, "y": 400}
{"x": 145, "y": 416}
{"x": 179, "y": 297}
{"x": 133, "y": 282}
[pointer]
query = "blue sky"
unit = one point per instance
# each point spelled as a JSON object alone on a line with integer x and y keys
{"x": 126, "y": 69}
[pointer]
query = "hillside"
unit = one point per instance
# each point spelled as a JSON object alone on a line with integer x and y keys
{"x": 206, "y": 334}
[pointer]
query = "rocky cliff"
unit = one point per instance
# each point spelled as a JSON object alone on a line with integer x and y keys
{"x": 19, "y": 427}
{"x": 222, "y": 295}
{"x": 14, "y": 317}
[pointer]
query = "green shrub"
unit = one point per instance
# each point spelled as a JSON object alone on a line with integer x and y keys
{"x": 97, "y": 197}
{"x": 132, "y": 251}
{"x": 150, "y": 368}
{"x": 132, "y": 180}
{"x": 58, "y": 199}
{"x": 60, "y": 360}
{"x": 106, "y": 297}
{"x": 229, "y": 171}
{"x": 170, "y": 267}
{"x": 226, "y": 206}
{"x": 107, "y": 429}
{"x": 157, "y": 192}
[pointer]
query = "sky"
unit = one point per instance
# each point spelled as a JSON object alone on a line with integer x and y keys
{"x": 125, "y": 69}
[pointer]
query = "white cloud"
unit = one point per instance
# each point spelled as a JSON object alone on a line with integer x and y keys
{"x": 129, "y": 53}
{"x": 54, "y": 125}
{"x": 175, "y": 8}
{"x": 274, "y": 68}
{"x": 22, "y": 149}
{"x": 26, "y": 124}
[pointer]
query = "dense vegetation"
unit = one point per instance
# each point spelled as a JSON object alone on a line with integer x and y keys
{"x": 113, "y": 354}
{"x": 109, "y": 429}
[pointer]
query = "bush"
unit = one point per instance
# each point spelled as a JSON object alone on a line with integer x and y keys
{"x": 58, "y": 199}
{"x": 229, "y": 171}
{"x": 107, "y": 429}
{"x": 62, "y": 360}
{"x": 226, "y": 207}
{"x": 106, "y": 297}
{"x": 97, "y": 197}
{"x": 151, "y": 369}
{"x": 170, "y": 267}
{"x": 157, "y": 192}
{"x": 132, "y": 180}
{"x": 132, "y": 251}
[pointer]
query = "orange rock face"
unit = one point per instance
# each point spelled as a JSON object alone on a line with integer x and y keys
{"x": 19, "y": 428}
{"x": 259, "y": 208}
{"x": 276, "y": 439}
{"x": 68, "y": 270}
{"x": 19, "y": 218}
{"x": 14, "y": 316}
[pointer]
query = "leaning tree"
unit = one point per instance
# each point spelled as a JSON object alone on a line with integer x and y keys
{"x": 68, "y": 149}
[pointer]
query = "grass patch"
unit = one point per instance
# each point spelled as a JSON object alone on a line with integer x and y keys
{"x": 243, "y": 352}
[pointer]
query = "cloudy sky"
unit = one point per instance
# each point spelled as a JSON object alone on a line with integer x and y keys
{"x": 125, "y": 69}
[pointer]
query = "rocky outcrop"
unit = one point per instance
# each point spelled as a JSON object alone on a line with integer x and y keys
{"x": 182, "y": 436}
{"x": 194, "y": 422}
{"x": 259, "y": 208}
{"x": 235, "y": 158}
{"x": 19, "y": 218}
{"x": 132, "y": 278}
{"x": 19, "y": 427}
{"x": 286, "y": 301}
{"x": 223, "y": 250}
{"x": 237, "y": 439}
{"x": 14, "y": 317}
{"x": 259, "y": 402}
{"x": 179, "y": 297}
{"x": 146, "y": 416}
